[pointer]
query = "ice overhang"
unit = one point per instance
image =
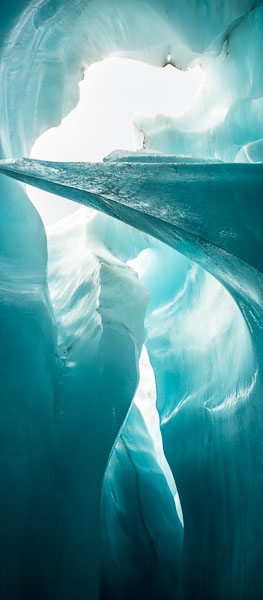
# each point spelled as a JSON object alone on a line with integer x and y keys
{"x": 182, "y": 201}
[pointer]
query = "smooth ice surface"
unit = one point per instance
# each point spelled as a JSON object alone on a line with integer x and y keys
{"x": 179, "y": 270}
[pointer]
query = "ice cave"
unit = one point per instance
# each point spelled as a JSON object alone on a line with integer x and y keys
{"x": 131, "y": 314}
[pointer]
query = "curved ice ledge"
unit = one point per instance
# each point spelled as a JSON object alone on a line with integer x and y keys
{"x": 197, "y": 208}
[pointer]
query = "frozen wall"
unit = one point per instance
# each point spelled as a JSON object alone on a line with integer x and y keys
{"x": 70, "y": 351}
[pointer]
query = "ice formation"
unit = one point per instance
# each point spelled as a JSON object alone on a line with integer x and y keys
{"x": 107, "y": 491}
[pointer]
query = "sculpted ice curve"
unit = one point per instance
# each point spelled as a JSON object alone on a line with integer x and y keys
{"x": 206, "y": 211}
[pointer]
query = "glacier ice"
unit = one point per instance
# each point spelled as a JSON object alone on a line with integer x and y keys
{"x": 166, "y": 252}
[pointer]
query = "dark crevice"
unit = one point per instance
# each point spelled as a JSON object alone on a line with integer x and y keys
{"x": 138, "y": 494}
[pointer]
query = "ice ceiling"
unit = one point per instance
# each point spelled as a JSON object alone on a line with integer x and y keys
{"x": 165, "y": 253}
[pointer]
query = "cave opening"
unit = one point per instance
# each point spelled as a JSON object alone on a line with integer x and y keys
{"x": 112, "y": 93}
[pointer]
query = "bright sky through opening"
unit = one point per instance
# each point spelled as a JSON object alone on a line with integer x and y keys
{"x": 111, "y": 92}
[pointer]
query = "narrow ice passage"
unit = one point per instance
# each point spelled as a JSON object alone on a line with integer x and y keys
{"x": 103, "y": 497}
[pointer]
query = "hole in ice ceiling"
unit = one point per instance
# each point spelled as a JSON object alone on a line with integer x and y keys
{"x": 110, "y": 93}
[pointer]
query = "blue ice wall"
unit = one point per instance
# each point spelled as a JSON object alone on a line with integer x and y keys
{"x": 179, "y": 269}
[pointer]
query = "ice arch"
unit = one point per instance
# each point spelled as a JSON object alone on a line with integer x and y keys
{"x": 220, "y": 473}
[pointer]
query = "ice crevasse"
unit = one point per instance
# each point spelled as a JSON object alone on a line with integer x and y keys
{"x": 124, "y": 477}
